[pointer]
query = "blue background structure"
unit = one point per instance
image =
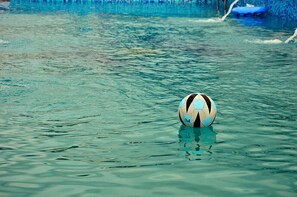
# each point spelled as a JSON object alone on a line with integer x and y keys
{"x": 284, "y": 8}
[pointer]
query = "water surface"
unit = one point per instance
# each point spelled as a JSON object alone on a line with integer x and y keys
{"x": 88, "y": 105}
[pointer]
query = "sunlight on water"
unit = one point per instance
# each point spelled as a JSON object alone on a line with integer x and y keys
{"x": 3, "y": 42}
{"x": 274, "y": 41}
{"x": 257, "y": 41}
{"x": 208, "y": 20}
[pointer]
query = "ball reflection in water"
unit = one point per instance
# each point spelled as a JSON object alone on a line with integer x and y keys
{"x": 194, "y": 142}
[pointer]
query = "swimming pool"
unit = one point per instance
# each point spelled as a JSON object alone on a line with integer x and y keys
{"x": 88, "y": 104}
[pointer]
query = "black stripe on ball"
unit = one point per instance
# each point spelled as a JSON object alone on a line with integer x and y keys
{"x": 181, "y": 119}
{"x": 190, "y": 100}
{"x": 197, "y": 121}
{"x": 208, "y": 102}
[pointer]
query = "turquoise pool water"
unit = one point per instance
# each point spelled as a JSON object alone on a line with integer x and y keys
{"x": 88, "y": 105}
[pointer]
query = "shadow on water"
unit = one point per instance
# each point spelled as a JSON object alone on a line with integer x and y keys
{"x": 269, "y": 22}
{"x": 195, "y": 142}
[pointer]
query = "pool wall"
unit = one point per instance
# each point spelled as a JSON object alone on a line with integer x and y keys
{"x": 161, "y": 8}
{"x": 284, "y": 8}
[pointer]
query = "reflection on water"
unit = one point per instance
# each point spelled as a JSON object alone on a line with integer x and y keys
{"x": 196, "y": 141}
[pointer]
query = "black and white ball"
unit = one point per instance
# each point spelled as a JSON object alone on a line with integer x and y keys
{"x": 197, "y": 110}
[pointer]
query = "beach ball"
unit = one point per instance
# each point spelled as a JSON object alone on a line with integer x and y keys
{"x": 197, "y": 110}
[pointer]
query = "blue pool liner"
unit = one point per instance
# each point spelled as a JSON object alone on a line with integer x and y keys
{"x": 163, "y": 8}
